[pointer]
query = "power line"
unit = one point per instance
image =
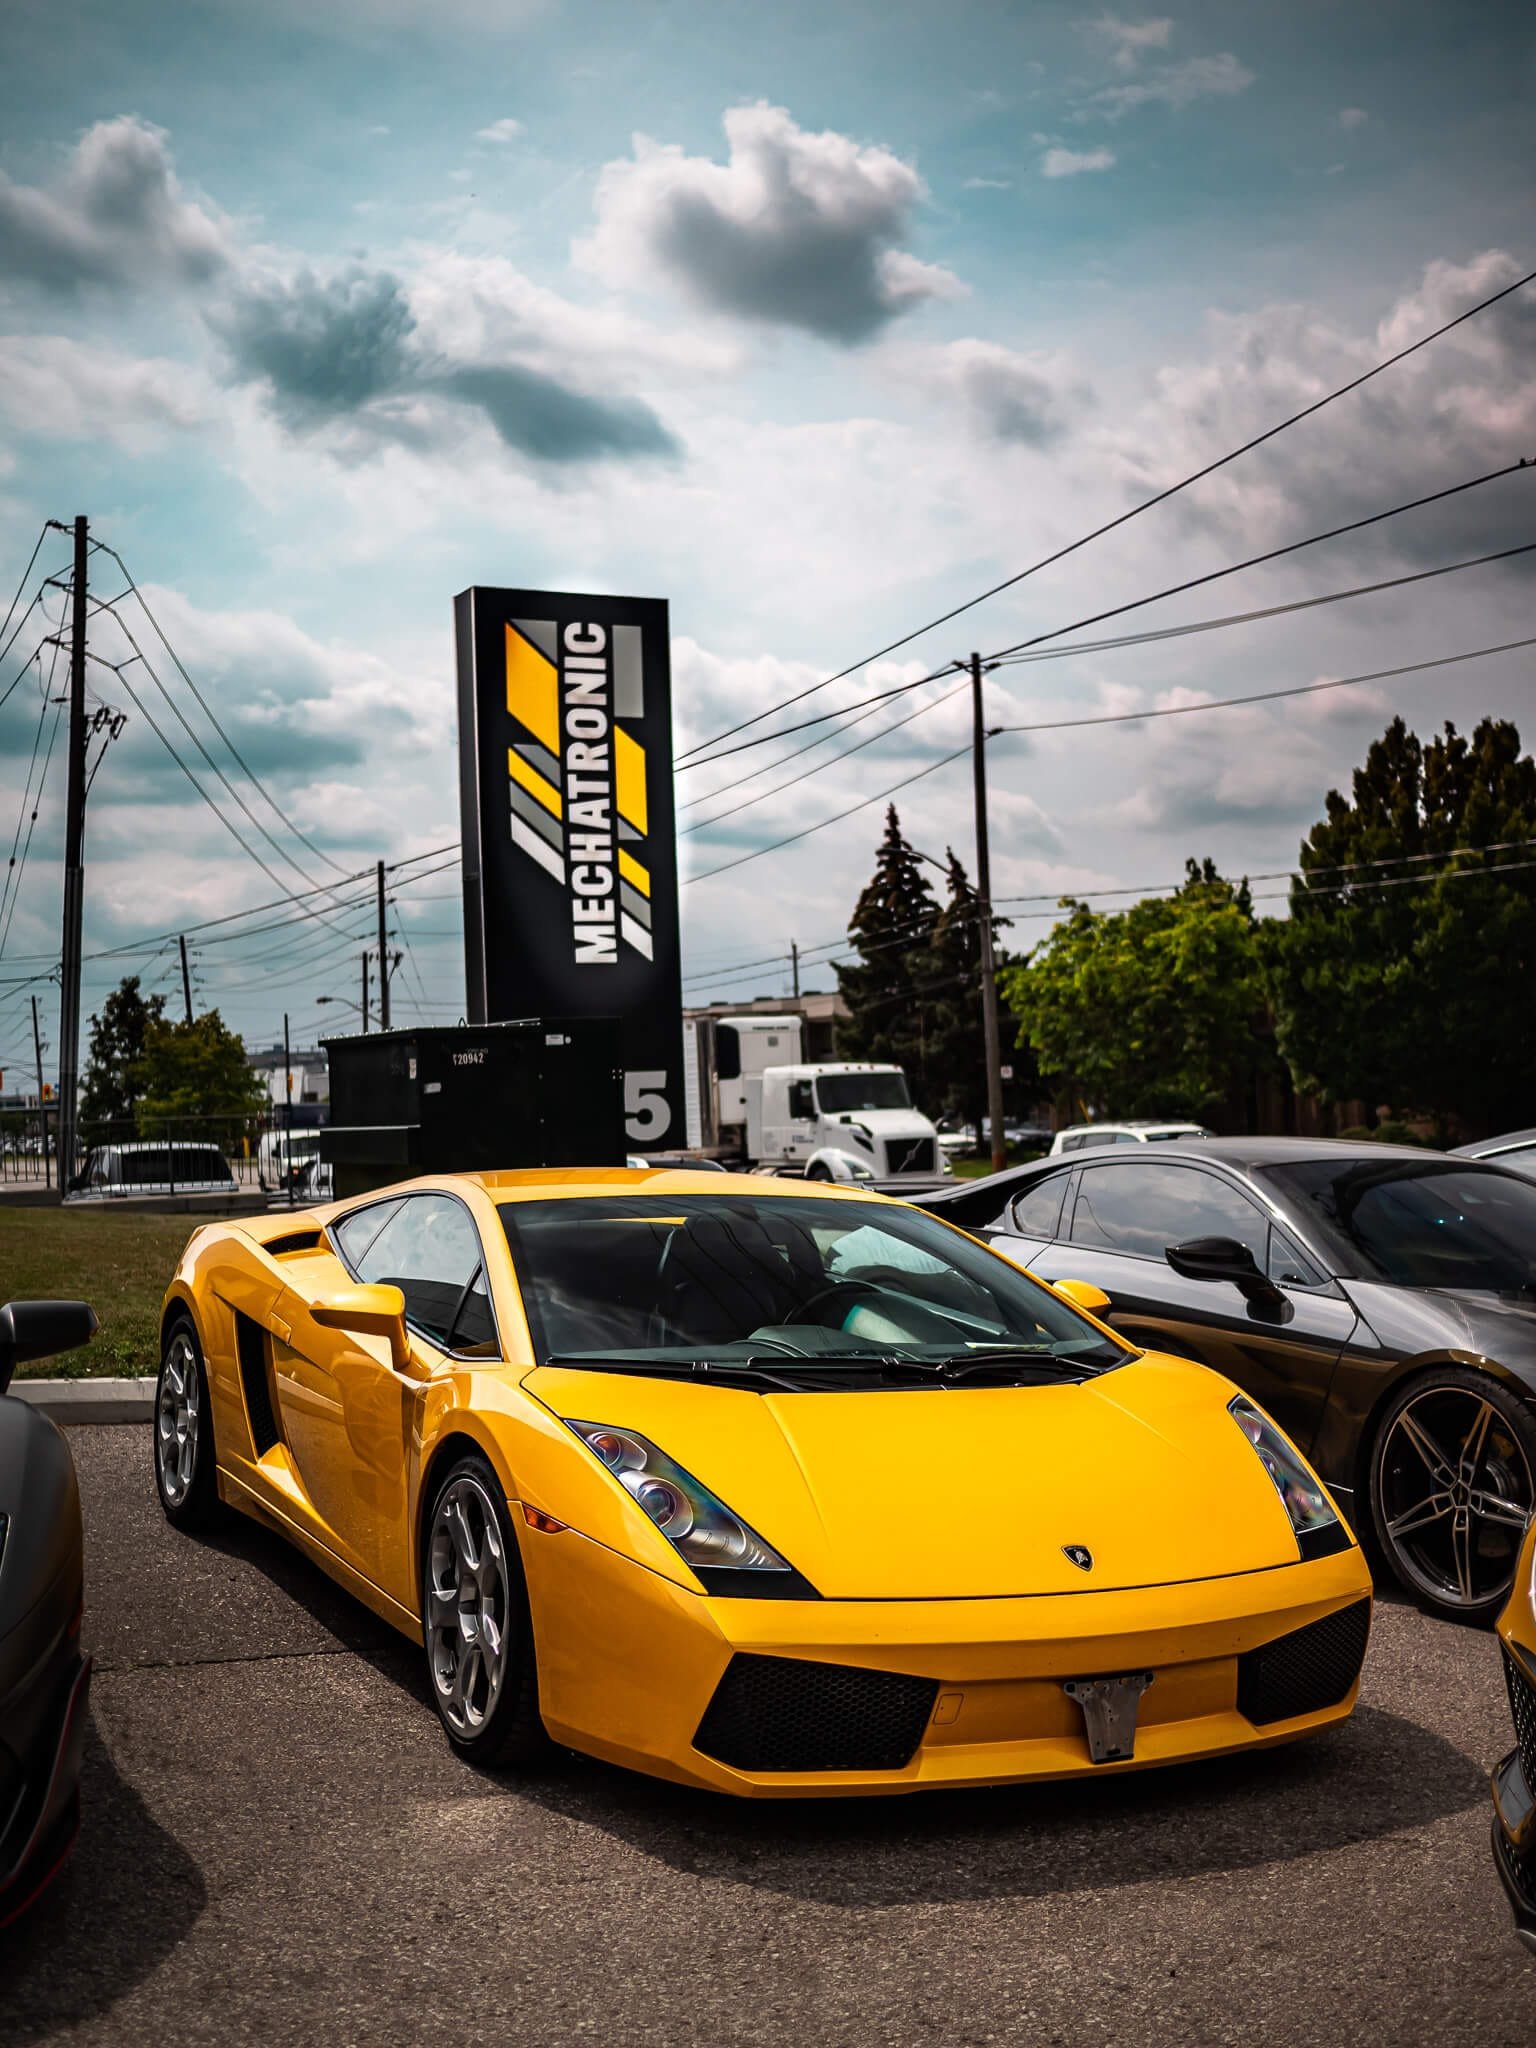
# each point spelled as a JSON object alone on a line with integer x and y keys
{"x": 255, "y": 779}
{"x": 1134, "y": 511}
{"x": 1103, "y": 718}
{"x": 1023, "y": 650}
{"x": 21, "y": 586}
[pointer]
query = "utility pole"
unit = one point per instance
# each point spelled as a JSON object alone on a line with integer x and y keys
{"x": 383, "y": 961}
{"x": 186, "y": 978}
{"x": 74, "y": 868}
{"x": 989, "y": 1031}
{"x": 365, "y": 991}
{"x": 794, "y": 968}
{"x": 287, "y": 1110}
{"x": 42, "y": 1107}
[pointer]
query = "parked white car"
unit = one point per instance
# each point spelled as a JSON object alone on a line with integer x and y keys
{"x": 152, "y": 1167}
{"x": 1079, "y": 1137}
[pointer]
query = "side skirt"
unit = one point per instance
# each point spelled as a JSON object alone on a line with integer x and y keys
{"x": 237, "y": 1494}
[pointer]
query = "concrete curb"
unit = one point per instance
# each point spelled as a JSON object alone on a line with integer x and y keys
{"x": 90, "y": 1401}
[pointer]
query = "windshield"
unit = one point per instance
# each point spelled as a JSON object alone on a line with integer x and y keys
{"x": 837, "y": 1092}
{"x": 732, "y": 1280}
{"x": 1429, "y": 1225}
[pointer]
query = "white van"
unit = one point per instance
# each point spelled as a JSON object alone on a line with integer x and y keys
{"x": 154, "y": 1166}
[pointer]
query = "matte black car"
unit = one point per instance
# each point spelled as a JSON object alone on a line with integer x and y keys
{"x": 1379, "y": 1301}
{"x": 44, "y": 1678}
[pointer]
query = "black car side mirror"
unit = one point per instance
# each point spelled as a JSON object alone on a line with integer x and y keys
{"x": 39, "y": 1329}
{"x": 1222, "y": 1258}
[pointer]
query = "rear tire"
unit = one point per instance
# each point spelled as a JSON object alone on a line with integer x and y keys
{"x": 185, "y": 1460}
{"x": 476, "y": 1628}
{"x": 1451, "y": 1484}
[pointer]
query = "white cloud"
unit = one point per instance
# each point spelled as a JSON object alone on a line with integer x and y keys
{"x": 1353, "y": 117}
{"x": 987, "y": 185}
{"x": 1176, "y": 86}
{"x": 796, "y": 229}
{"x": 1130, "y": 40}
{"x": 505, "y": 130}
{"x": 1068, "y": 163}
{"x": 54, "y": 386}
{"x": 117, "y": 217}
{"x": 1029, "y": 400}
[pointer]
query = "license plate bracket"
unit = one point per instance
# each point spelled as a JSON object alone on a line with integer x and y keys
{"x": 1110, "y": 1707}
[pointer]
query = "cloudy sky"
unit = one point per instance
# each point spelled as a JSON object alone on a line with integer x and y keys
{"x": 816, "y": 319}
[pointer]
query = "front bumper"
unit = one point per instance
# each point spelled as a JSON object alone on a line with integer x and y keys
{"x": 39, "y": 1794}
{"x": 634, "y": 1668}
{"x": 1514, "y": 1794}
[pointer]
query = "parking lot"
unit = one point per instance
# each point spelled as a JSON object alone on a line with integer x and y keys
{"x": 277, "y": 1841}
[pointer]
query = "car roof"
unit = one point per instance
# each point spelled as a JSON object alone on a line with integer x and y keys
{"x": 1506, "y": 1141}
{"x": 553, "y": 1182}
{"x": 1245, "y": 1152}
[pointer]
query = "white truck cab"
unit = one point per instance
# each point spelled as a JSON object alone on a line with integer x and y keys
{"x": 856, "y": 1108}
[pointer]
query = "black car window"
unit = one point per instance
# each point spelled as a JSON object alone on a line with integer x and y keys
{"x": 1141, "y": 1207}
{"x": 354, "y": 1233}
{"x": 1419, "y": 1224}
{"x": 1037, "y": 1212}
{"x": 429, "y": 1249}
{"x": 1289, "y": 1265}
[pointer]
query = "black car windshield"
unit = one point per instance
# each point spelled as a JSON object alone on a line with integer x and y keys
{"x": 1428, "y": 1225}
{"x": 837, "y": 1092}
{"x": 669, "y": 1280}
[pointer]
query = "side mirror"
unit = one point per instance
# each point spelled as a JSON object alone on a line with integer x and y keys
{"x": 40, "y": 1329}
{"x": 1222, "y": 1258}
{"x": 1083, "y": 1294}
{"x": 371, "y": 1312}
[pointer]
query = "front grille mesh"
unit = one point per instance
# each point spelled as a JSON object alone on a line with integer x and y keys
{"x": 789, "y": 1714}
{"x": 1522, "y": 1705}
{"x": 1312, "y": 1668}
{"x": 1522, "y": 1869}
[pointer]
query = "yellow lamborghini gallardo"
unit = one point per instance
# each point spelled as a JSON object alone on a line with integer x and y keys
{"x": 769, "y": 1487}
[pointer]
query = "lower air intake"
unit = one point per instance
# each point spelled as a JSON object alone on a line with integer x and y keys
{"x": 1312, "y": 1668}
{"x": 1522, "y": 1705}
{"x": 787, "y": 1714}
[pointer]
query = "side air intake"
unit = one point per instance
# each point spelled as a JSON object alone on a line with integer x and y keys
{"x": 256, "y": 1383}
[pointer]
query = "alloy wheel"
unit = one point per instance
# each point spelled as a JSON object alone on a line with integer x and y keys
{"x": 468, "y": 1606}
{"x": 1456, "y": 1494}
{"x": 176, "y": 1419}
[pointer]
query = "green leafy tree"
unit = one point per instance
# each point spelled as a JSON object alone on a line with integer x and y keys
{"x": 196, "y": 1070}
{"x": 110, "y": 1088}
{"x": 949, "y": 972}
{"x": 1149, "y": 1011}
{"x": 891, "y": 1014}
{"x": 1404, "y": 983}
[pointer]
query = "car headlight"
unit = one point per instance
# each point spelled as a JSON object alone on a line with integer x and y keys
{"x": 1305, "y": 1502}
{"x": 698, "y": 1524}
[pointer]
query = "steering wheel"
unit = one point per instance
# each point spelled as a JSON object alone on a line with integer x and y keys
{"x": 803, "y": 1312}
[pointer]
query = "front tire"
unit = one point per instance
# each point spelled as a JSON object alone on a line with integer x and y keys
{"x": 1452, "y": 1483}
{"x": 476, "y": 1628}
{"x": 185, "y": 1462}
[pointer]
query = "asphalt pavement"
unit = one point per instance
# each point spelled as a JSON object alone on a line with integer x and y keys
{"x": 277, "y": 1844}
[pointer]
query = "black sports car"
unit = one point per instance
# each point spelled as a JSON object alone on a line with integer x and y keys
{"x": 1380, "y": 1301}
{"x": 44, "y": 1678}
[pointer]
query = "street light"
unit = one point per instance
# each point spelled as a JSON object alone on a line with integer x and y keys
{"x": 342, "y": 999}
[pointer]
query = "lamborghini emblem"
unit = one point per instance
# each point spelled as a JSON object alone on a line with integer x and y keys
{"x": 1078, "y": 1554}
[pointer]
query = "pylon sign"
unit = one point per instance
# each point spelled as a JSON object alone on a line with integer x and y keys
{"x": 569, "y": 853}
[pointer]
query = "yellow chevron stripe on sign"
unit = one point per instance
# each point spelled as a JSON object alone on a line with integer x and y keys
{"x": 633, "y": 873}
{"x": 538, "y": 786}
{"x": 533, "y": 691}
{"x": 629, "y": 778}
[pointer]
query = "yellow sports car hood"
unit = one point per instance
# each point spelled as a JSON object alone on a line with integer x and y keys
{"x": 949, "y": 1493}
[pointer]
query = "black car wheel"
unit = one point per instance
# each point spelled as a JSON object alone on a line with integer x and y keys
{"x": 184, "y": 1454}
{"x": 475, "y": 1623}
{"x": 1452, "y": 1486}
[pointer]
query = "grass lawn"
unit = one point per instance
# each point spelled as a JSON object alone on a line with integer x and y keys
{"x": 967, "y": 1168}
{"x": 120, "y": 1264}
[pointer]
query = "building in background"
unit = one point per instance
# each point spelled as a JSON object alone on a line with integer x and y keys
{"x": 310, "y": 1072}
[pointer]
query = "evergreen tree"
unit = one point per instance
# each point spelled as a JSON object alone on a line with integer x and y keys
{"x": 1411, "y": 996}
{"x": 891, "y": 1015}
{"x": 110, "y": 1087}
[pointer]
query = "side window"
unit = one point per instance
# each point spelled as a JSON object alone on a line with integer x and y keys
{"x": 727, "y": 1053}
{"x": 354, "y": 1233}
{"x": 1037, "y": 1212}
{"x": 1142, "y": 1209}
{"x": 802, "y": 1102}
{"x": 1289, "y": 1265}
{"x": 429, "y": 1248}
{"x": 1091, "y": 1138}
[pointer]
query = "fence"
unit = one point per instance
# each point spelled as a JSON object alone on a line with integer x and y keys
{"x": 163, "y": 1155}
